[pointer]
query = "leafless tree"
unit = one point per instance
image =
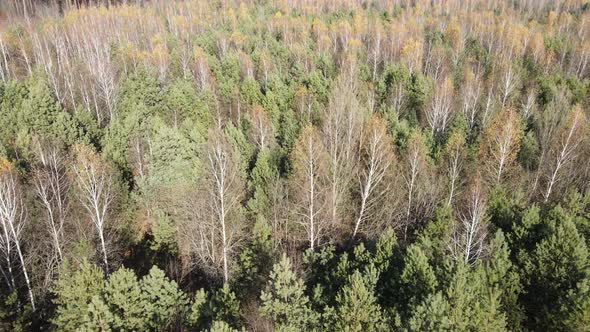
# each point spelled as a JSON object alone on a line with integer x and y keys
{"x": 12, "y": 220}
{"x": 51, "y": 184}
{"x": 309, "y": 184}
{"x": 342, "y": 123}
{"x": 454, "y": 159}
{"x": 415, "y": 164}
{"x": 96, "y": 182}
{"x": 472, "y": 89}
{"x": 470, "y": 231}
{"x": 262, "y": 128}
{"x": 439, "y": 113}
{"x": 217, "y": 226}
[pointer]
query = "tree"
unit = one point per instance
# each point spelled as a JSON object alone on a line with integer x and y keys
{"x": 415, "y": 167}
{"x": 284, "y": 301}
{"x": 342, "y": 122}
{"x": 468, "y": 238}
{"x": 12, "y": 222}
{"x": 264, "y": 177}
{"x": 97, "y": 192}
{"x": 502, "y": 275}
{"x": 377, "y": 161}
{"x": 52, "y": 185}
{"x": 263, "y": 133}
{"x": 565, "y": 148}
{"x": 417, "y": 279}
{"x": 162, "y": 303}
{"x": 121, "y": 297}
{"x": 122, "y": 303}
{"x": 454, "y": 159}
{"x": 500, "y": 145}
{"x": 217, "y": 228}
{"x": 74, "y": 292}
{"x": 357, "y": 308}
{"x": 439, "y": 113}
{"x": 556, "y": 272}
{"x": 470, "y": 95}
{"x": 309, "y": 184}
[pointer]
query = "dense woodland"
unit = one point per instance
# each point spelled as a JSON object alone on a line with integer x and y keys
{"x": 294, "y": 165}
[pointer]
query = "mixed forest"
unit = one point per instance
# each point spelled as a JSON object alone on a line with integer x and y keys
{"x": 295, "y": 165}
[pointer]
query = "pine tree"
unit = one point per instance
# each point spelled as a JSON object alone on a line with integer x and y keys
{"x": 357, "y": 308}
{"x": 502, "y": 276}
{"x": 161, "y": 300}
{"x": 284, "y": 301}
{"x": 555, "y": 273}
{"x": 417, "y": 278}
{"x": 263, "y": 176}
{"x": 431, "y": 315}
{"x": 122, "y": 296}
{"x": 74, "y": 292}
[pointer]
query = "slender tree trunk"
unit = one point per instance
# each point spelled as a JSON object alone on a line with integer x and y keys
{"x": 25, "y": 274}
{"x": 104, "y": 251}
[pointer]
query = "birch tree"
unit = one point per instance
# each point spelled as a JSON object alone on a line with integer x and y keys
{"x": 565, "y": 149}
{"x": 12, "y": 221}
{"x": 454, "y": 158}
{"x": 438, "y": 114}
{"x": 470, "y": 95}
{"x": 415, "y": 164}
{"x": 342, "y": 122}
{"x": 309, "y": 184}
{"x": 377, "y": 161}
{"x": 470, "y": 231}
{"x": 95, "y": 180}
{"x": 51, "y": 186}
{"x": 500, "y": 145}
{"x": 216, "y": 228}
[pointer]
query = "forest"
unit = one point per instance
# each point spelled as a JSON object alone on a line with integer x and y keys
{"x": 294, "y": 165}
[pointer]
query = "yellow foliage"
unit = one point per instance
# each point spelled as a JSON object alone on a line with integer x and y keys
{"x": 5, "y": 166}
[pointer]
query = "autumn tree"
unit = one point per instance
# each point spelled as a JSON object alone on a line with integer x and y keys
{"x": 500, "y": 145}
{"x": 377, "y": 161}
{"x": 565, "y": 148}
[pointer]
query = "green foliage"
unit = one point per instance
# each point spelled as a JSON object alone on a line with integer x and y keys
{"x": 555, "y": 275}
{"x": 262, "y": 179}
{"x": 164, "y": 234}
{"x": 75, "y": 290}
{"x": 123, "y": 294}
{"x": 123, "y": 303}
{"x": 502, "y": 275}
{"x": 255, "y": 260}
{"x": 197, "y": 312}
{"x": 162, "y": 301}
{"x": 284, "y": 301}
{"x": 225, "y": 306}
{"x": 417, "y": 278}
{"x": 357, "y": 307}
{"x": 182, "y": 102}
